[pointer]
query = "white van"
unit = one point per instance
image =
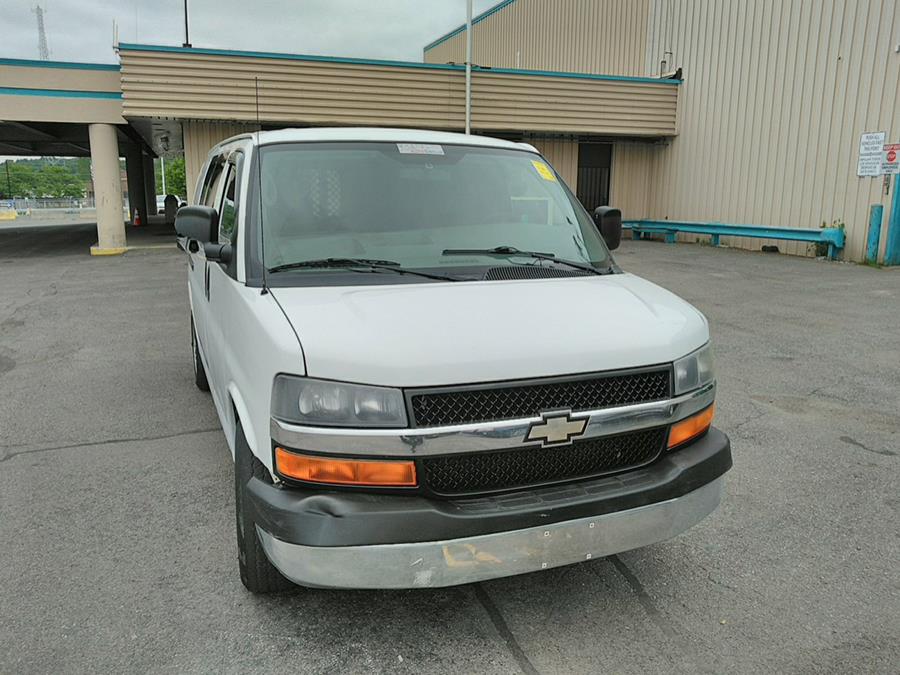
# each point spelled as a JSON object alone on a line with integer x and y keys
{"x": 430, "y": 370}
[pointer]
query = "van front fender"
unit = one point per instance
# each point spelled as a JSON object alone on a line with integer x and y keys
{"x": 243, "y": 416}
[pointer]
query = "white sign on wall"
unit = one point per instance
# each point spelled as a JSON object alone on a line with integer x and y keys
{"x": 871, "y": 154}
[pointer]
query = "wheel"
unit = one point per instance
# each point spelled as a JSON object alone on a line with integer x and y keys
{"x": 199, "y": 371}
{"x": 257, "y": 573}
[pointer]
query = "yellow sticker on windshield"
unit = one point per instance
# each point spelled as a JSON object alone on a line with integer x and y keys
{"x": 544, "y": 170}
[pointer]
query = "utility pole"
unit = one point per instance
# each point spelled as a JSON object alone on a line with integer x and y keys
{"x": 43, "y": 49}
{"x": 9, "y": 193}
{"x": 468, "y": 66}
{"x": 187, "y": 37}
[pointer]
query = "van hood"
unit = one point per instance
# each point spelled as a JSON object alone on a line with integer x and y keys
{"x": 434, "y": 334}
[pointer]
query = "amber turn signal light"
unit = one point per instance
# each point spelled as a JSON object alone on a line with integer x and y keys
{"x": 344, "y": 471}
{"x": 691, "y": 427}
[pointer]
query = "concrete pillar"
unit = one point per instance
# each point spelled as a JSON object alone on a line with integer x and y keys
{"x": 134, "y": 170}
{"x": 107, "y": 190}
{"x": 150, "y": 184}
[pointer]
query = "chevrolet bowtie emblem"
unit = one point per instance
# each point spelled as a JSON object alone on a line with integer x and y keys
{"x": 556, "y": 428}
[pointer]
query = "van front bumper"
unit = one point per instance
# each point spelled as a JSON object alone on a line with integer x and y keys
{"x": 364, "y": 540}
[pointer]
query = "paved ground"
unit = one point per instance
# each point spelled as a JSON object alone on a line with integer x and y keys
{"x": 23, "y": 238}
{"x": 116, "y": 519}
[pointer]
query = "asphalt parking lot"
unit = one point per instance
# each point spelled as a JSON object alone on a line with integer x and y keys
{"x": 117, "y": 547}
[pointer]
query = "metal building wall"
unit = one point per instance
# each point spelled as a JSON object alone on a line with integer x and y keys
{"x": 199, "y": 138}
{"x": 63, "y": 92}
{"x": 776, "y": 94}
{"x": 584, "y": 36}
{"x": 211, "y": 85}
{"x": 631, "y": 178}
{"x": 562, "y": 155}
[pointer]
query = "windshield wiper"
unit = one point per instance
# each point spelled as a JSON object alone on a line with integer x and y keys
{"x": 507, "y": 251}
{"x": 351, "y": 263}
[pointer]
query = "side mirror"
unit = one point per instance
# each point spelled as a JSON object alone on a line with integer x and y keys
{"x": 216, "y": 252}
{"x": 609, "y": 222}
{"x": 200, "y": 223}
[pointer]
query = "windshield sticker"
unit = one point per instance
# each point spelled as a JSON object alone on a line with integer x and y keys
{"x": 419, "y": 149}
{"x": 543, "y": 170}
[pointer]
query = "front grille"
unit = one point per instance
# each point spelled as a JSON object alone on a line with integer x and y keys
{"x": 493, "y": 471}
{"x": 510, "y": 401}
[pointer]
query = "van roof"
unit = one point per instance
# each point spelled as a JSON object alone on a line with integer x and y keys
{"x": 319, "y": 134}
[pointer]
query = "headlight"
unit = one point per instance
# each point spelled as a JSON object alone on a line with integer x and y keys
{"x": 694, "y": 370}
{"x": 320, "y": 402}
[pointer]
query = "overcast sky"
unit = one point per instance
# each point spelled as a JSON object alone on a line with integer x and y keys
{"x": 82, "y": 30}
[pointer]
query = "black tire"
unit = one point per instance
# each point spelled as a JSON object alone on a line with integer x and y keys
{"x": 257, "y": 573}
{"x": 199, "y": 371}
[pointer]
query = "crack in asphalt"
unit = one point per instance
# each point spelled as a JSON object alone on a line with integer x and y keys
{"x": 504, "y": 631}
{"x": 643, "y": 597}
{"x": 853, "y": 441}
{"x": 134, "y": 439}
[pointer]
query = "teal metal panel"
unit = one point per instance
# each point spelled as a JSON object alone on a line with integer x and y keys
{"x": 876, "y": 212}
{"x": 73, "y": 65}
{"x": 892, "y": 247}
{"x": 59, "y": 93}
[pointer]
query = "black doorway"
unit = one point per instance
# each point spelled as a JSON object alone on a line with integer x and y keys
{"x": 594, "y": 161}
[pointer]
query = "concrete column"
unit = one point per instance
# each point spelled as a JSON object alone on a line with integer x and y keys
{"x": 150, "y": 184}
{"x": 134, "y": 170}
{"x": 107, "y": 190}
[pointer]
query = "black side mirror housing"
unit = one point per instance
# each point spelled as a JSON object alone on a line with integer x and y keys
{"x": 200, "y": 223}
{"x": 216, "y": 252}
{"x": 609, "y": 223}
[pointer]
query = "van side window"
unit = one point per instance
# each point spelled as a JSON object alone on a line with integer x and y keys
{"x": 228, "y": 214}
{"x": 213, "y": 179}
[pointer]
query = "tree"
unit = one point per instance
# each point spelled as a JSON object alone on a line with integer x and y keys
{"x": 59, "y": 181}
{"x": 22, "y": 180}
{"x": 175, "y": 178}
{"x": 40, "y": 178}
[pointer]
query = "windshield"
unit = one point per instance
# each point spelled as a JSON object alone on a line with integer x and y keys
{"x": 417, "y": 206}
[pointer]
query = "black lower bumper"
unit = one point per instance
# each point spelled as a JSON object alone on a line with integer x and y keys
{"x": 331, "y": 518}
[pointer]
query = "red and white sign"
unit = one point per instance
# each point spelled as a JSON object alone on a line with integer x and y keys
{"x": 891, "y": 161}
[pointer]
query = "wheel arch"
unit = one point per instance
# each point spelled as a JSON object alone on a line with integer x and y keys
{"x": 240, "y": 415}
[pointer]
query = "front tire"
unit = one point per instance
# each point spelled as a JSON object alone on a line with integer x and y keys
{"x": 257, "y": 573}
{"x": 199, "y": 371}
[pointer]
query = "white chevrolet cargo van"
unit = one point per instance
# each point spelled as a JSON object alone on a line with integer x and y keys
{"x": 429, "y": 369}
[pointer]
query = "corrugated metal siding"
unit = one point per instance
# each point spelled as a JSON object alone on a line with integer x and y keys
{"x": 631, "y": 178}
{"x": 776, "y": 95}
{"x": 199, "y": 138}
{"x": 199, "y": 86}
{"x": 508, "y": 102}
{"x": 184, "y": 85}
{"x": 585, "y": 36}
{"x": 562, "y": 155}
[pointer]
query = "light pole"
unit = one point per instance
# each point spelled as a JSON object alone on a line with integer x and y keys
{"x": 468, "y": 66}
{"x": 187, "y": 37}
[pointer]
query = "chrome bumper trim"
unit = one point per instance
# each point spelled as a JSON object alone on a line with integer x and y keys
{"x": 462, "y": 561}
{"x": 484, "y": 436}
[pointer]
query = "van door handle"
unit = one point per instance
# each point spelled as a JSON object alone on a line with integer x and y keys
{"x": 206, "y": 278}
